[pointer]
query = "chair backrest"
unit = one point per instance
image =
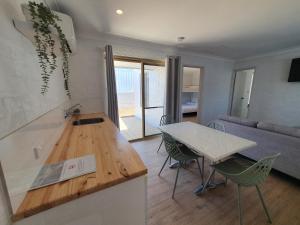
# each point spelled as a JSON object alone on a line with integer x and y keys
{"x": 216, "y": 125}
{"x": 172, "y": 148}
{"x": 257, "y": 173}
{"x": 164, "y": 120}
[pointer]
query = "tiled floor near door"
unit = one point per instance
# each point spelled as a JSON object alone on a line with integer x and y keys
{"x": 131, "y": 127}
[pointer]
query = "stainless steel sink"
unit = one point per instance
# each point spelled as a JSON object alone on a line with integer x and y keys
{"x": 88, "y": 121}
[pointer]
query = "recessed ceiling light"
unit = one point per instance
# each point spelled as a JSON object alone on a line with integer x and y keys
{"x": 119, "y": 11}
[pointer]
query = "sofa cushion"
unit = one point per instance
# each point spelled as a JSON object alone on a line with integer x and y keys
{"x": 270, "y": 143}
{"x": 238, "y": 120}
{"x": 291, "y": 131}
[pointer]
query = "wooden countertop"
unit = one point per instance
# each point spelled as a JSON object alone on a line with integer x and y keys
{"x": 116, "y": 162}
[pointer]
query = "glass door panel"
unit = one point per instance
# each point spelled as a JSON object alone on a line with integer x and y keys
{"x": 154, "y": 96}
{"x": 128, "y": 81}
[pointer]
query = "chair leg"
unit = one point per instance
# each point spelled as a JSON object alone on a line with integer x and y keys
{"x": 226, "y": 179}
{"x": 163, "y": 165}
{"x": 240, "y": 205}
{"x": 263, "y": 203}
{"x": 202, "y": 169}
{"x": 176, "y": 180}
{"x": 160, "y": 145}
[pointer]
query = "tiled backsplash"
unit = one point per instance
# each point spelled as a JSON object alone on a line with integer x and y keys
{"x": 24, "y": 152}
{"x": 22, "y": 105}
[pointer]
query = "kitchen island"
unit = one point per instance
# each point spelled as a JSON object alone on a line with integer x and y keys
{"x": 114, "y": 194}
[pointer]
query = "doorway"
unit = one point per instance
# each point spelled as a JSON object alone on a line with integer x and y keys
{"x": 242, "y": 93}
{"x": 190, "y": 94}
{"x": 140, "y": 89}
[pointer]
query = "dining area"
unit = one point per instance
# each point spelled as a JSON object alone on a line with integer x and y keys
{"x": 213, "y": 156}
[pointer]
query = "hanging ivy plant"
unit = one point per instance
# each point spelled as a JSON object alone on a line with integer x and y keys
{"x": 43, "y": 18}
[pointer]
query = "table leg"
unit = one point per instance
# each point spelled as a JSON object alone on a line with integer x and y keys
{"x": 176, "y": 164}
{"x": 201, "y": 188}
{"x": 209, "y": 183}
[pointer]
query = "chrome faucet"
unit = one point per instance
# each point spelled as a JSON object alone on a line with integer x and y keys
{"x": 72, "y": 110}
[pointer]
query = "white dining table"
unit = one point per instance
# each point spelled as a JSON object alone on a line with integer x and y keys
{"x": 213, "y": 144}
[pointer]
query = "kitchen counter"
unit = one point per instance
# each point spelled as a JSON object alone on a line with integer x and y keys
{"x": 116, "y": 161}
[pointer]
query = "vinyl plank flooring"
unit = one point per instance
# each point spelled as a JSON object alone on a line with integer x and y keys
{"x": 218, "y": 206}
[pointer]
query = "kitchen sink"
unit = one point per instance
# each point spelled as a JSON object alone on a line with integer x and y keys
{"x": 88, "y": 121}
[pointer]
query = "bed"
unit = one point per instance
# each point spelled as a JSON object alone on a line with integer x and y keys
{"x": 189, "y": 107}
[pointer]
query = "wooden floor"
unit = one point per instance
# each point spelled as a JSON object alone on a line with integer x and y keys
{"x": 190, "y": 119}
{"x": 215, "y": 207}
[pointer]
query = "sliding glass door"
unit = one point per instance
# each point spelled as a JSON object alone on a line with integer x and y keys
{"x": 141, "y": 93}
{"x": 128, "y": 80}
{"x": 154, "y": 95}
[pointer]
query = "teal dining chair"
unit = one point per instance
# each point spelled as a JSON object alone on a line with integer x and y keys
{"x": 182, "y": 154}
{"x": 247, "y": 173}
{"x": 164, "y": 120}
{"x": 217, "y": 125}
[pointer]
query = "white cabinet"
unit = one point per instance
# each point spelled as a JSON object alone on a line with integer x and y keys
{"x": 122, "y": 204}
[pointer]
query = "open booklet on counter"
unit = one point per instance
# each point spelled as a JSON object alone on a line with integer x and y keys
{"x": 64, "y": 170}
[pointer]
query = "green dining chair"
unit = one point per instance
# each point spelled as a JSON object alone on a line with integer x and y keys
{"x": 182, "y": 154}
{"x": 217, "y": 125}
{"x": 247, "y": 173}
{"x": 164, "y": 120}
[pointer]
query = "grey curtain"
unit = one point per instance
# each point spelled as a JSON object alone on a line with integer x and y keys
{"x": 112, "y": 100}
{"x": 173, "y": 89}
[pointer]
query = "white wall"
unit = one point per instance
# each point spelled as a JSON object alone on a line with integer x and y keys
{"x": 86, "y": 83}
{"x": 273, "y": 99}
{"x": 88, "y": 78}
{"x": 20, "y": 99}
{"x": 21, "y": 103}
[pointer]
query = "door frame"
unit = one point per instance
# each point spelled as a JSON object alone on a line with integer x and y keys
{"x": 200, "y": 94}
{"x": 235, "y": 71}
{"x": 143, "y": 62}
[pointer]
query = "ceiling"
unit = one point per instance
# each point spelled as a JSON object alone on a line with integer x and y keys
{"x": 228, "y": 28}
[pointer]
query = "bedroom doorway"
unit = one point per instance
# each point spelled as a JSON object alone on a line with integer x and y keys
{"x": 242, "y": 92}
{"x": 190, "y": 95}
{"x": 140, "y": 90}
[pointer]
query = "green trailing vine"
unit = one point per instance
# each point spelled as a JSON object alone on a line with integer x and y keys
{"x": 43, "y": 18}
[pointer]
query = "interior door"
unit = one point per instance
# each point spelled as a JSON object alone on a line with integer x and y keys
{"x": 154, "y": 79}
{"x": 242, "y": 93}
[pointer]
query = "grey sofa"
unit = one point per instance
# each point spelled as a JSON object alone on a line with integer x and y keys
{"x": 270, "y": 139}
